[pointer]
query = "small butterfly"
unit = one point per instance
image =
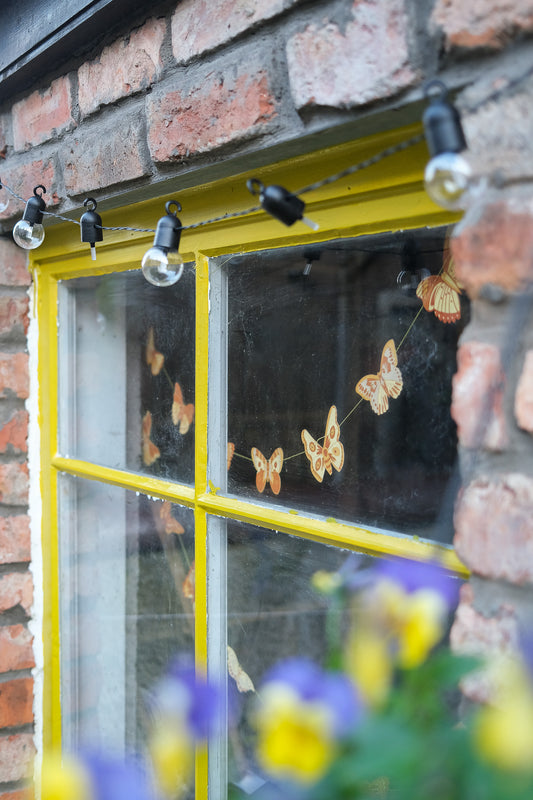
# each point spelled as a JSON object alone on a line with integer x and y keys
{"x": 230, "y": 452}
{"x": 387, "y": 383}
{"x": 189, "y": 584}
{"x": 330, "y": 453}
{"x": 268, "y": 471}
{"x": 182, "y": 414}
{"x": 241, "y": 678}
{"x": 171, "y": 524}
{"x": 150, "y": 451}
{"x": 154, "y": 359}
{"x": 440, "y": 293}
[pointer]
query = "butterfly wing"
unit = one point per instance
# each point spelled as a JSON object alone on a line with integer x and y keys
{"x": 230, "y": 452}
{"x": 372, "y": 389}
{"x": 440, "y": 294}
{"x": 332, "y": 444}
{"x": 186, "y": 417}
{"x": 150, "y": 452}
{"x": 154, "y": 359}
{"x": 171, "y": 524}
{"x": 275, "y": 463}
{"x": 314, "y": 453}
{"x": 391, "y": 376}
{"x": 261, "y": 466}
{"x": 189, "y": 584}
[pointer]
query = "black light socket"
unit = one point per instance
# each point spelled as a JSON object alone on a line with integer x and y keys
{"x": 442, "y": 122}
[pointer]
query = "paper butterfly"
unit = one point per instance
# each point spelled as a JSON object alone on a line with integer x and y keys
{"x": 182, "y": 414}
{"x": 387, "y": 383}
{"x": 150, "y": 451}
{"x": 230, "y": 452}
{"x": 171, "y": 524}
{"x": 328, "y": 454}
{"x": 268, "y": 471}
{"x": 154, "y": 359}
{"x": 241, "y": 678}
{"x": 440, "y": 293}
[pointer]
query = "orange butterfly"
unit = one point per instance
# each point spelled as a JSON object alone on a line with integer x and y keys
{"x": 230, "y": 452}
{"x": 440, "y": 293}
{"x": 268, "y": 471}
{"x": 181, "y": 414}
{"x": 387, "y": 383}
{"x": 331, "y": 453}
{"x": 171, "y": 524}
{"x": 154, "y": 359}
{"x": 189, "y": 584}
{"x": 150, "y": 451}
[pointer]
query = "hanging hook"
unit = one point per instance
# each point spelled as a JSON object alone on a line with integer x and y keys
{"x": 40, "y": 186}
{"x": 169, "y": 205}
{"x": 90, "y": 203}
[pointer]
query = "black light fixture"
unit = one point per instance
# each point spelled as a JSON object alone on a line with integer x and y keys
{"x": 29, "y": 232}
{"x": 162, "y": 264}
{"x": 280, "y": 203}
{"x": 91, "y": 226}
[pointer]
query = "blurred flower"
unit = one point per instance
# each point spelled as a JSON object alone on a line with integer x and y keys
{"x": 326, "y": 582}
{"x": 302, "y": 713}
{"x": 369, "y": 664}
{"x": 63, "y": 779}
{"x": 93, "y": 776}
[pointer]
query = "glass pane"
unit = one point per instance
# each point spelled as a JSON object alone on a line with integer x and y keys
{"x": 127, "y": 373}
{"x": 126, "y": 607}
{"x": 333, "y": 340}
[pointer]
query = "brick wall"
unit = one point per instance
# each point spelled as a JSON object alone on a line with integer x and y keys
{"x": 201, "y": 83}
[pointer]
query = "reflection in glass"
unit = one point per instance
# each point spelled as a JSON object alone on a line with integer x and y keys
{"x": 127, "y": 373}
{"x": 341, "y": 357}
{"x": 126, "y": 607}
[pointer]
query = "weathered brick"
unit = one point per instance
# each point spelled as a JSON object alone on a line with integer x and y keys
{"x": 16, "y": 589}
{"x": 493, "y": 243}
{"x": 15, "y": 648}
{"x": 23, "y": 178}
{"x": 14, "y": 377}
{"x": 125, "y": 67}
{"x": 98, "y": 158}
{"x": 42, "y": 115}
{"x": 13, "y": 264}
{"x": 16, "y": 702}
{"x": 219, "y": 111}
{"x": 16, "y": 757}
{"x": 523, "y": 403}
{"x": 14, "y": 484}
{"x": 21, "y": 794}
{"x": 494, "y": 527}
{"x": 15, "y": 540}
{"x": 342, "y": 68}
{"x": 14, "y": 434}
{"x": 477, "y": 397}
{"x": 201, "y": 25}
{"x": 482, "y": 23}
{"x": 13, "y": 315}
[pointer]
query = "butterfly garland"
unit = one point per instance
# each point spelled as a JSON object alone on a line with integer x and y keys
{"x": 440, "y": 294}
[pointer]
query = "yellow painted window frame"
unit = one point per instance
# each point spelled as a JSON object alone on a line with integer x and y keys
{"x": 387, "y": 196}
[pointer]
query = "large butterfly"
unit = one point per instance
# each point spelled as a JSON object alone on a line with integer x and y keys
{"x": 440, "y": 293}
{"x": 387, "y": 383}
{"x": 268, "y": 471}
{"x": 150, "y": 451}
{"x": 182, "y": 414}
{"x": 154, "y": 359}
{"x": 329, "y": 454}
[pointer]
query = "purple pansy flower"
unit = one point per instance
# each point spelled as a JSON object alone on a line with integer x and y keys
{"x": 185, "y": 693}
{"x": 117, "y": 779}
{"x": 415, "y": 575}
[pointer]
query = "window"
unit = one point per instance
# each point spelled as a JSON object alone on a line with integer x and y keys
{"x": 217, "y": 442}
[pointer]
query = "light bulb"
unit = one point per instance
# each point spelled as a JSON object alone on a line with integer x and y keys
{"x": 448, "y": 180}
{"x": 161, "y": 266}
{"x": 28, "y": 235}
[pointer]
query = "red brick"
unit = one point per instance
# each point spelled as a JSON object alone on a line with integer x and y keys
{"x": 13, "y": 315}
{"x": 14, "y": 484}
{"x": 493, "y": 244}
{"x": 16, "y": 589}
{"x": 22, "y": 794}
{"x": 14, "y": 434}
{"x": 366, "y": 60}
{"x": 494, "y": 527}
{"x": 482, "y": 23}
{"x": 42, "y": 115}
{"x": 201, "y": 25}
{"x": 16, "y": 757}
{"x": 15, "y": 541}
{"x": 14, "y": 376}
{"x": 477, "y": 397}
{"x": 13, "y": 264}
{"x": 23, "y": 178}
{"x": 16, "y": 702}
{"x": 202, "y": 119}
{"x": 125, "y": 67}
{"x": 15, "y": 648}
{"x": 523, "y": 402}
{"x": 102, "y": 158}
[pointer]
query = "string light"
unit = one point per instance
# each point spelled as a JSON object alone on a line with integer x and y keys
{"x": 280, "y": 203}
{"x": 29, "y": 232}
{"x": 162, "y": 264}
{"x": 91, "y": 226}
